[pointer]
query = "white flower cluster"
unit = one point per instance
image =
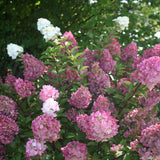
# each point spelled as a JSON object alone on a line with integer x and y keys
{"x": 122, "y": 21}
{"x": 92, "y": 1}
{"x": 50, "y": 106}
{"x": 14, "y": 50}
{"x": 47, "y": 29}
{"x": 157, "y": 34}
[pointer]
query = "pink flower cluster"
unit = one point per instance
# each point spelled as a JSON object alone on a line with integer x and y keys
{"x": 70, "y": 74}
{"x": 106, "y": 61}
{"x": 48, "y": 91}
{"x": 69, "y": 38}
{"x": 137, "y": 120}
{"x": 103, "y": 104}
{"x": 34, "y": 68}
{"x": 45, "y": 128}
{"x": 81, "y": 98}
{"x": 99, "y": 126}
{"x": 98, "y": 79}
{"x": 150, "y": 139}
{"x": 72, "y": 114}
{"x": 90, "y": 57}
{"x": 153, "y": 98}
{"x": 75, "y": 151}
{"x": 10, "y": 79}
{"x": 1, "y": 80}
{"x": 24, "y": 88}
{"x": 114, "y": 47}
{"x": 129, "y": 51}
{"x": 34, "y": 149}
{"x": 50, "y": 106}
{"x": 8, "y": 107}
{"x": 148, "y": 72}
{"x": 8, "y": 129}
{"x": 155, "y": 51}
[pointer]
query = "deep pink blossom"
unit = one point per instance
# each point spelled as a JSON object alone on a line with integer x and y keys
{"x": 34, "y": 149}
{"x": 137, "y": 120}
{"x": 72, "y": 114}
{"x": 98, "y": 79}
{"x": 103, "y": 104}
{"x": 99, "y": 126}
{"x": 1, "y": 80}
{"x": 8, "y": 129}
{"x": 148, "y": 72}
{"x": 46, "y": 128}
{"x": 150, "y": 139}
{"x": 69, "y": 38}
{"x": 48, "y": 91}
{"x": 90, "y": 57}
{"x": 113, "y": 46}
{"x": 129, "y": 51}
{"x": 8, "y": 107}
{"x": 81, "y": 98}
{"x": 34, "y": 68}
{"x": 10, "y": 79}
{"x": 24, "y": 88}
{"x": 75, "y": 151}
{"x": 106, "y": 61}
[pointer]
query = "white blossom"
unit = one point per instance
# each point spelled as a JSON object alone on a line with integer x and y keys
{"x": 50, "y": 32}
{"x": 50, "y": 106}
{"x": 122, "y": 21}
{"x": 92, "y": 1}
{"x": 157, "y": 34}
{"x": 42, "y": 23}
{"x": 13, "y": 50}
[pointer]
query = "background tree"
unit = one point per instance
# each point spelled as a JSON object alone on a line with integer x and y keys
{"x": 86, "y": 20}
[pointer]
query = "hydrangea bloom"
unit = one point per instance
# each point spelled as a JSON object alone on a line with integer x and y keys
{"x": 122, "y": 22}
{"x": 134, "y": 144}
{"x": 34, "y": 68}
{"x": 129, "y": 51}
{"x": 48, "y": 91}
{"x": 70, "y": 75}
{"x": 2, "y": 149}
{"x": 106, "y": 61}
{"x": 34, "y": 149}
{"x": 8, "y": 129}
{"x": 98, "y": 79}
{"x": 137, "y": 120}
{"x": 13, "y": 50}
{"x": 8, "y": 107}
{"x": 153, "y": 98}
{"x": 72, "y": 114}
{"x": 99, "y": 126}
{"x": 68, "y": 36}
{"x": 50, "y": 106}
{"x": 42, "y": 23}
{"x": 10, "y": 79}
{"x": 102, "y": 104}
{"x": 155, "y": 51}
{"x": 90, "y": 58}
{"x": 150, "y": 138}
{"x": 148, "y": 72}
{"x": 114, "y": 47}
{"x": 45, "y": 128}
{"x": 50, "y": 32}
{"x": 24, "y": 88}
{"x": 81, "y": 98}
{"x": 75, "y": 151}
